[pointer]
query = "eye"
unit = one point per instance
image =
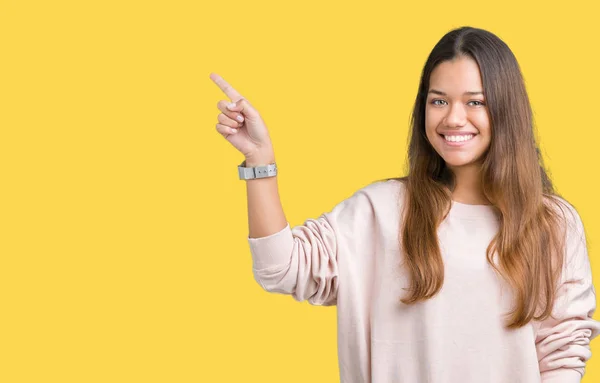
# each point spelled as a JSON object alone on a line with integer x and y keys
{"x": 480, "y": 103}
{"x": 433, "y": 102}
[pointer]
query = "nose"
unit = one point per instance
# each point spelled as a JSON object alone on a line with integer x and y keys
{"x": 456, "y": 116}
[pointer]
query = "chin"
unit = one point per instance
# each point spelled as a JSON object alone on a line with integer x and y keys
{"x": 460, "y": 162}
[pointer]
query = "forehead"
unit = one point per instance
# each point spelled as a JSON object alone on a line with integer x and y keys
{"x": 456, "y": 76}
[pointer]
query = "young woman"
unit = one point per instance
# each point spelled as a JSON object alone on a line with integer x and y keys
{"x": 469, "y": 269}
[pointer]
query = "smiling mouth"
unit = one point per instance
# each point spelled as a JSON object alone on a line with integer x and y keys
{"x": 458, "y": 138}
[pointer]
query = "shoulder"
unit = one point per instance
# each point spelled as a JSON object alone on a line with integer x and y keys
{"x": 567, "y": 213}
{"x": 378, "y": 200}
{"x": 381, "y": 194}
{"x": 573, "y": 232}
{"x": 383, "y": 190}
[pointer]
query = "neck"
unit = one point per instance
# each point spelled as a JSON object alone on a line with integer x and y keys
{"x": 468, "y": 187}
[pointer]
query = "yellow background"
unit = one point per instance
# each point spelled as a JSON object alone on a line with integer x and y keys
{"x": 123, "y": 242}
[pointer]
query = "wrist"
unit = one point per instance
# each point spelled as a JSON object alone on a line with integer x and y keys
{"x": 262, "y": 155}
{"x": 252, "y": 162}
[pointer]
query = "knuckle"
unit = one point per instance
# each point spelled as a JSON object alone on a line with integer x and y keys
{"x": 224, "y": 119}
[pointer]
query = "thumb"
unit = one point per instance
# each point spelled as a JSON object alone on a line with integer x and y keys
{"x": 243, "y": 106}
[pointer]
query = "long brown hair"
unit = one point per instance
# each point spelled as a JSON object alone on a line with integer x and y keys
{"x": 531, "y": 238}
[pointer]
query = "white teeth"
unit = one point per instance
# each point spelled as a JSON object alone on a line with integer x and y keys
{"x": 459, "y": 138}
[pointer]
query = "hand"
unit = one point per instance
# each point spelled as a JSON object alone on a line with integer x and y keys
{"x": 252, "y": 137}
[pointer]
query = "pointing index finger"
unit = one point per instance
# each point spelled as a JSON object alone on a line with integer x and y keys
{"x": 225, "y": 87}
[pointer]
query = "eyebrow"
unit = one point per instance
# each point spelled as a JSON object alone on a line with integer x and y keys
{"x": 444, "y": 94}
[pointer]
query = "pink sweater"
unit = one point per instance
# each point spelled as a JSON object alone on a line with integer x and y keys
{"x": 350, "y": 258}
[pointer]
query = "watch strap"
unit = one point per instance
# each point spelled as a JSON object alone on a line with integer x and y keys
{"x": 250, "y": 173}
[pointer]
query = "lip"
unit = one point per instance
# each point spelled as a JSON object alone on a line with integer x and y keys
{"x": 451, "y": 133}
{"x": 461, "y": 143}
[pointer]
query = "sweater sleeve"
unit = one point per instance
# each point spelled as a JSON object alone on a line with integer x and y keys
{"x": 303, "y": 260}
{"x": 563, "y": 340}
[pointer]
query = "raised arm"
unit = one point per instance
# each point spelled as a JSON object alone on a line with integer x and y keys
{"x": 302, "y": 261}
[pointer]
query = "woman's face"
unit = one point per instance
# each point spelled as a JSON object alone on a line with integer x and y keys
{"x": 457, "y": 122}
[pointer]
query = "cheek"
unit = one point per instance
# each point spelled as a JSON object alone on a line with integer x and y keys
{"x": 431, "y": 133}
{"x": 482, "y": 122}
{"x": 431, "y": 123}
{"x": 431, "y": 118}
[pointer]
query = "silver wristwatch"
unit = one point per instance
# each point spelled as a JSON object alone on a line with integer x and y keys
{"x": 256, "y": 172}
